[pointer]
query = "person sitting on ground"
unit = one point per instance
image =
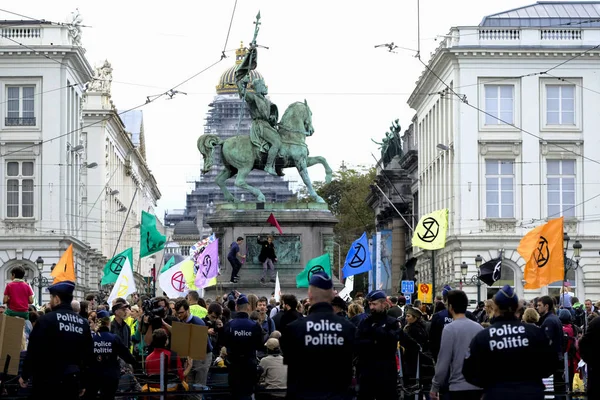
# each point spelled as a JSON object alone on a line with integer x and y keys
{"x": 160, "y": 339}
{"x": 274, "y": 371}
{"x": 18, "y": 295}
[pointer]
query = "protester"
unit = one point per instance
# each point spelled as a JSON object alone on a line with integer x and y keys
{"x": 267, "y": 257}
{"x": 232, "y": 257}
{"x": 274, "y": 371}
{"x": 18, "y": 295}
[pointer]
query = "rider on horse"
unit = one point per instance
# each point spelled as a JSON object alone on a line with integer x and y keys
{"x": 263, "y": 132}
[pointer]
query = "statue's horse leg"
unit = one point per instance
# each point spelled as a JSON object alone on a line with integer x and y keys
{"x": 301, "y": 165}
{"x": 240, "y": 181}
{"x": 220, "y": 181}
{"x": 310, "y": 161}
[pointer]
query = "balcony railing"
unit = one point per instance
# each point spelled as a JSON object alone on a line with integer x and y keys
{"x": 30, "y": 121}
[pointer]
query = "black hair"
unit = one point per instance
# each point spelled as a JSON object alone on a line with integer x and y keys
{"x": 215, "y": 308}
{"x": 547, "y": 301}
{"x": 182, "y": 303}
{"x": 18, "y": 272}
{"x": 239, "y": 238}
{"x": 289, "y": 300}
{"x": 458, "y": 300}
{"x": 263, "y": 299}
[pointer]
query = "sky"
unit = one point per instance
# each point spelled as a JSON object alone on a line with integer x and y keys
{"x": 319, "y": 50}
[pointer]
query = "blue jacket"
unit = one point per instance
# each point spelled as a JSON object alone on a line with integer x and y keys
{"x": 108, "y": 347}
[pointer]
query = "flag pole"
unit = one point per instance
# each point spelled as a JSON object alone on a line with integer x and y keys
{"x": 433, "y": 275}
{"x": 125, "y": 222}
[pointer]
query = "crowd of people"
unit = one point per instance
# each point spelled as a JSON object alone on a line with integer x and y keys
{"x": 371, "y": 347}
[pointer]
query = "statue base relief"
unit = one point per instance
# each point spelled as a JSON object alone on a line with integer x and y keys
{"x": 307, "y": 233}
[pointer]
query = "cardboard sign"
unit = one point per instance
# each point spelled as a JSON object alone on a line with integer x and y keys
{"x": 425, "y": 294}
{"x": 189, "y": 340}
{"x": 11, "y": 337}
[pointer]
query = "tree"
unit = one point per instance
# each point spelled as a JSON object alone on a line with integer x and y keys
{"x": 345, "y": 195}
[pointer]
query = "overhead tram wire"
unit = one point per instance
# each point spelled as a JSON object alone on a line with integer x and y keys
{"x": 229, "y": 31}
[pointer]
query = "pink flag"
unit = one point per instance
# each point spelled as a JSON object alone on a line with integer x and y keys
{"x": 208, "y": 264}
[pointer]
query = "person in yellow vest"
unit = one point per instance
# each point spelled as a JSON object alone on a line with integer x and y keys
{"x": 196, "y": 309}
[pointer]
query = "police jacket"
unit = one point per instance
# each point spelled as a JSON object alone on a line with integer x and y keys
{"x": 310, "y": 345}
{"x": 108, "y": 347}
{"x": 376, "y": 346}
{"x": 510, "y": 358}
{"x": 589, "y": 348}
{"x": 60, "y": 344}
{"x": 267, "y": 250}
{"x": 438, "y": 321}
{"x": 552, "y": 326}
{"x": 242, "y": 337}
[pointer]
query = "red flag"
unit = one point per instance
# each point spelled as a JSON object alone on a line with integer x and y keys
{"x": 274, "y": 223}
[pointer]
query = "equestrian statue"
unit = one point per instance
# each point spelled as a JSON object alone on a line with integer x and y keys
{"x": 272, "y": 145}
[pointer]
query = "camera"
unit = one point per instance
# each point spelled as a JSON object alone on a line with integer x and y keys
{"x": 154, "y": 312}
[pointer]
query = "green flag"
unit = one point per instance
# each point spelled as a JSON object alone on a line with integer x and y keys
{"x": 168, "y": 265}
{"x": 151, "y": 240}
{"x": 318, "y": 264}
{"x": 113, "y": 267}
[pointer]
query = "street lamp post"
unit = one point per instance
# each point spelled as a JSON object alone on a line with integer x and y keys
{"x": 339, "y": 260}
{"x": 473, "y": 280}
{"x": 39, "y": 280}
{"x": 568, "y": 265}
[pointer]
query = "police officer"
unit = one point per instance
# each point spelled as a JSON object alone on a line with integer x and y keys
{"x": 106, "y": 371}
{"x": 242, "y": 337}
{"x": 510, "y": 358}
{"x": 311, "y": 345}
{"x": 60, "y": 349}
{"x": 376, "y": 347}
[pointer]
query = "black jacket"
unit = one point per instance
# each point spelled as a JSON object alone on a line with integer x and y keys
{"x": 509, "y": 359}
{"x": 589, "y": 348}
{"x": 267, "y": 250}
{"x": 310, "y": 345}
{"x": 376, "y": 348}
{"x": 552, "y": 326}
{"x": 60, "y": 344}
{"x": 108, "y": 348}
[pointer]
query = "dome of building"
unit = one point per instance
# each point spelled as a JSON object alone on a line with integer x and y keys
{"x": 186, "y": 228}
{"x": 227, "y": 81}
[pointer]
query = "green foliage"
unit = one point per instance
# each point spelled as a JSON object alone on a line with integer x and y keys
{"x": 346, "y": 197}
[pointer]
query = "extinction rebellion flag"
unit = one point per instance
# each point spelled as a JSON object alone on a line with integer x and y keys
{"x": 358, "y": 259}
{"x": 542, "y": 251}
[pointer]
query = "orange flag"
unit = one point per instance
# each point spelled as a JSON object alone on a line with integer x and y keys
{"x": 64, "y": 270}
{"x": 542, "y": 250}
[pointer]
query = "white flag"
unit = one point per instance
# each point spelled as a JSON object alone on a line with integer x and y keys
{"x": 125, "y": 284}
{"x": 348, "y": 288}
{"x": 277, "y": 288}
{"x": 172, "y": 281}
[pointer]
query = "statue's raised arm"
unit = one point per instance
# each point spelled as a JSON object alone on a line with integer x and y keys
{"x": 242, "y": 73}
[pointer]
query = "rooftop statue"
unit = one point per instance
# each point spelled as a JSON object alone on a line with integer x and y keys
{"x": 272, "y": 145}
{"x": 391, "y": 145}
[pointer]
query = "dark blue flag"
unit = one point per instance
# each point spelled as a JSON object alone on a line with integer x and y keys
{"x": 358, "y": 259}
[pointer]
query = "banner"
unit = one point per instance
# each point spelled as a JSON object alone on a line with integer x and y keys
{"x": 113, "y": 267}
{"x": 64, "y": 270}
{"x": 542, "y": 250}
{"x": 430, "y": 232}
{"x": 125, "y": 284}
{"x": 425, "y": 294}
{"x": 318, "y": 264}
{"x": 385, "y": 260}
{"x": 358, "y": 259}
{"x": 151, "y": 240}
{"x": 491, "y": 271}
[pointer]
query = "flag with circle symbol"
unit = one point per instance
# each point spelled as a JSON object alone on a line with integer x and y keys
{"x": 173, "y": 282}
{"x": 113, "y": 267}
{"x": 358, "y": 259}
{"x": 208, "y": 264}
{"x": 542, "y": 250}
{"x": 125, "y": 284}
{"x": 430, "y": 232}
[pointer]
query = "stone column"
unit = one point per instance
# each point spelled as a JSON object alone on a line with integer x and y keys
{"x": 398, "y": 252}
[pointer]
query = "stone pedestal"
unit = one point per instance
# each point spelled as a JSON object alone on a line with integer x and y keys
{"x": 307, "y": 233}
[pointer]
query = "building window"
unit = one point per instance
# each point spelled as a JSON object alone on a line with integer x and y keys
{"x": 499, "y": 188}
{"x": 561, "y": 188}
{"x": 499, "y": 104}
{"x": 19, "y": 189}
{"x": 20, "y": 110}
{"x": 560, "y": 104}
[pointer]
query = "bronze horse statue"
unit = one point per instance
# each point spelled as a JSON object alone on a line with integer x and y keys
{"x": 240, "y": 155}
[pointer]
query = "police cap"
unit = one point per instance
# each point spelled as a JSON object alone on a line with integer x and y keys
{"x": 506, "y": 298}
{"x": 64, "y": 287}
{"x": 376, "y": 295}
{"x": 321, "y": 280}
{"x": 242, "y": 300}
